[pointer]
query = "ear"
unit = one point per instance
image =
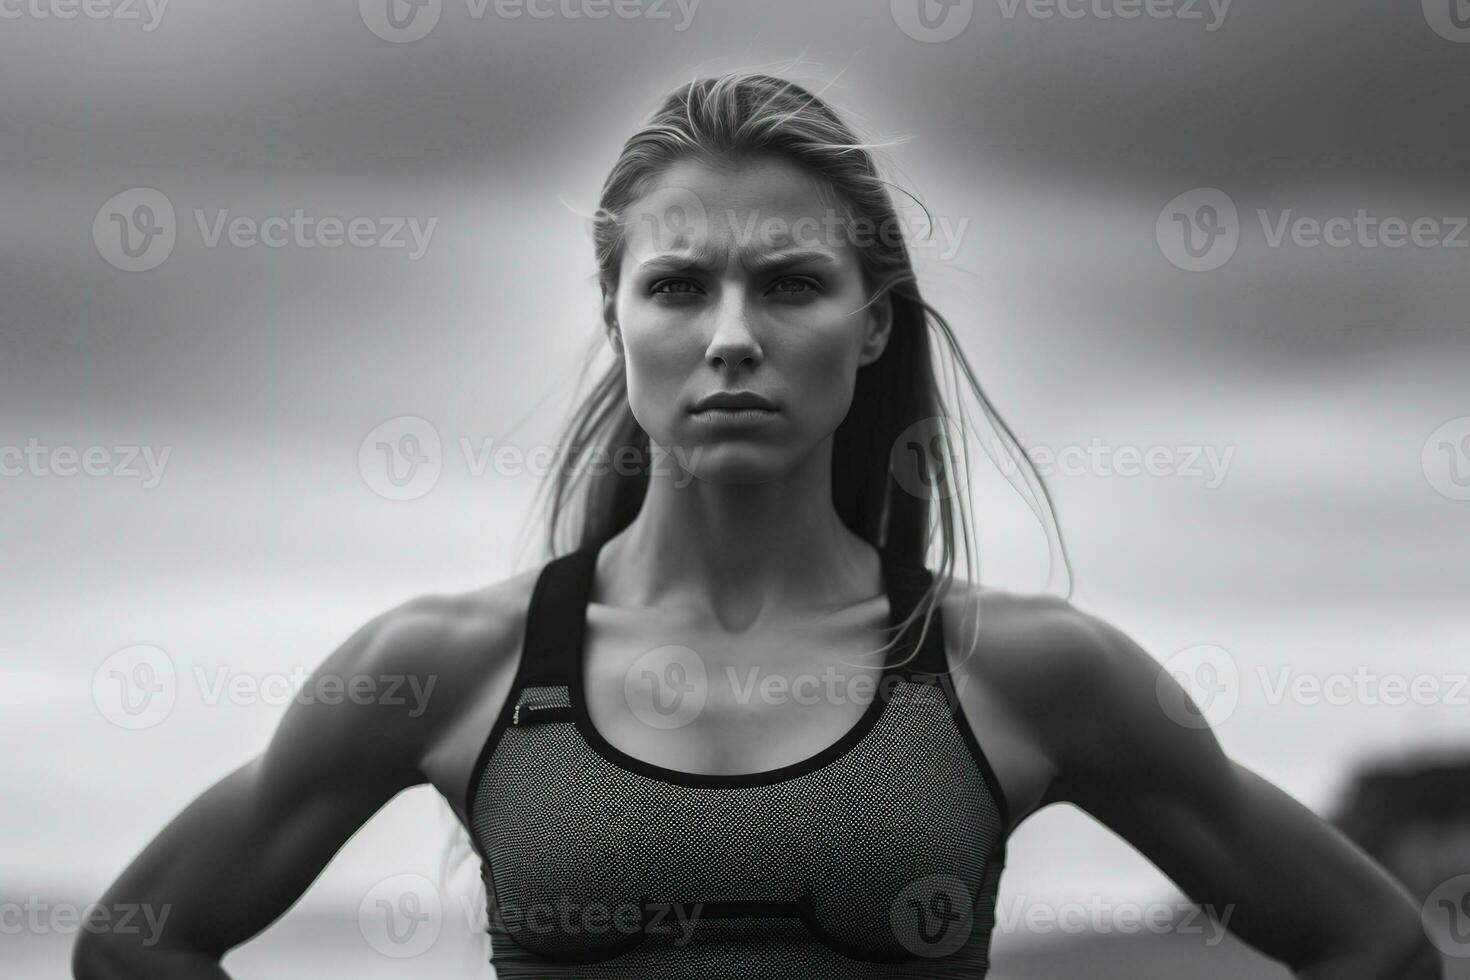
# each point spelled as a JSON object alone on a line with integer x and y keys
{"x": 610, "y": 320}
{"x": 879, "y": 329}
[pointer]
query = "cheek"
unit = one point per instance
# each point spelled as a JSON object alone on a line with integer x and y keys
{"x": 656, "y": 367}
{"x": 827, "y": 339}
{"x": 656, "y": 355}
{"x": 821, "y": 372}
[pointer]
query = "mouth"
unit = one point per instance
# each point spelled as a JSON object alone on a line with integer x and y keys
{"x": 754, "y": 413}
{"x": 734, "y": 417}
{"x": 736, "y": 402}
{"x": 742, "y": 410}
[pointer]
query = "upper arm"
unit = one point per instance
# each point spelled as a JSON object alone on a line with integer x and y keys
{"x": 242, "y": 852}
{"x": 1271, "y": 870}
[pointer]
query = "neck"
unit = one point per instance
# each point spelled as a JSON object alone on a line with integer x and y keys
{"x": 739, "y": 552}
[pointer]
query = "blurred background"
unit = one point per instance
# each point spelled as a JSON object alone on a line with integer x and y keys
{"x": 1122, "y": 206}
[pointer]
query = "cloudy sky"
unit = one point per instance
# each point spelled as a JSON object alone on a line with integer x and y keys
{"x": 1305, "y": 394}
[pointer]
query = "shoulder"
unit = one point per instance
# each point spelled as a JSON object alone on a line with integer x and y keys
{"x": 399, "y": 681}
{"x": 448, "y": 632}
{"x": 455, "y": 641}
{"x": 1035, "y": 646}
{"x": 1085, "y": 691}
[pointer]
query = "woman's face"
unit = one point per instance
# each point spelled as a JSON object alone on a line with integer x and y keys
{"x": 741, "y": 279}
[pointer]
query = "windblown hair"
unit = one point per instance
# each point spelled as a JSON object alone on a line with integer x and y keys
{"x": 899, "y": 415}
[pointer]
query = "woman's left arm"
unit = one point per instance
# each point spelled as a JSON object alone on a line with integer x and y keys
{"x": 1295, "y": 887}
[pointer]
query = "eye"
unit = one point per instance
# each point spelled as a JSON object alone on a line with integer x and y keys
{"x": 673, "y": 287}
{"x": 795, "y": 286}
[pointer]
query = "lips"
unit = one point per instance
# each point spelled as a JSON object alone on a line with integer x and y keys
{"x": 734, "y": 400}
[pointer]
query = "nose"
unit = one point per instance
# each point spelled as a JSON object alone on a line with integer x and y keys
{"x": 734, "y": 342}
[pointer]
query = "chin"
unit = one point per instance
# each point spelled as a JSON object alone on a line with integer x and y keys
{"x": 723, "y": 463}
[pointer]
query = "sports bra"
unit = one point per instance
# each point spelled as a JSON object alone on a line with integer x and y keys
{"x": 878, "y": 857}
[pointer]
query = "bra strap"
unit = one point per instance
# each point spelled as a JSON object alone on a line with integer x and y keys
{"x": 556, "y": 620}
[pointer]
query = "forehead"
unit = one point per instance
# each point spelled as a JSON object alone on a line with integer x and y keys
{"x": 736, "y": 212}
{"x": 766, "y": 183}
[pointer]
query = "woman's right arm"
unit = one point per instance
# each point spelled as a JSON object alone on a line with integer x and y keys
{"x": 241, "y": 853}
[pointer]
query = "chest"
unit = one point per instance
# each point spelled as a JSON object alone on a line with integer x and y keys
{"x": 699, "y": 701}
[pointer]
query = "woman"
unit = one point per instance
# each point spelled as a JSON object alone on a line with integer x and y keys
{"x": 675, "y": 748}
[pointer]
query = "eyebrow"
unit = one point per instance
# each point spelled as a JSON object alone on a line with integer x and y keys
{"x": 779, "y": 260}
{"x": 759, "y": 263}
{"x": 674, "y": 261}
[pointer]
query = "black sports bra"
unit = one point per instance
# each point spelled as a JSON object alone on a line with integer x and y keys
{"x": 877, "y": 857}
